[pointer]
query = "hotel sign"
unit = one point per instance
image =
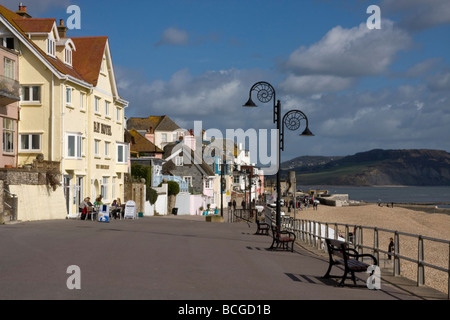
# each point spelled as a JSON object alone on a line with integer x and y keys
{"x": 102, "y": 128}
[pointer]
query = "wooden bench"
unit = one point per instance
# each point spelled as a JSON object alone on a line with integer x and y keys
{"x": 348, "y": 258}
{"x": 263, "y": 228}
{"x": 283, "y": 238}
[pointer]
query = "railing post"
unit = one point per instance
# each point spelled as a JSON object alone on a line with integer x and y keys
{"x": 396, "y": 254}
{"x": 420, "y": 266}
{"x": 314, "y": 234}
{"x": 320, "y": 236}
{"x": 376, "y": 245}
{"x": 361, "y": 240}
{"x": 336, "y": 235}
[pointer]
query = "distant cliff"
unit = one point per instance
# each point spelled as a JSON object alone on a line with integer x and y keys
{"x": 377, "y": 167}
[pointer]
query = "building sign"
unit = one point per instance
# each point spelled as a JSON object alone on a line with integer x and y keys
{"x": 102, "y": 128}
{"x": 101, "y": 166}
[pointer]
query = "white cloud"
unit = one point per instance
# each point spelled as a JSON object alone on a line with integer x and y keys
{"x": 353, "y": 52}
{"x": 174, "y": 36}
{"x": 315, "y": 84}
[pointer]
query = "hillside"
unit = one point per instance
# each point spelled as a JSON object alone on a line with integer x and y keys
{"x": 379, "y": 167}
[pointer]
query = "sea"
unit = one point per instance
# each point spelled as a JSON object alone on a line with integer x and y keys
{"x": 439, "y": 196}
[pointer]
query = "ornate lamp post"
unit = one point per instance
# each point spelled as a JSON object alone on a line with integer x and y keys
{"x": 292, "y": 120}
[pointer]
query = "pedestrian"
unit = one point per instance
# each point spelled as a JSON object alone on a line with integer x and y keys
{"x": 243, "y": 204}
{"x": 390, "y": 248}
{"x": 234, "y": 205}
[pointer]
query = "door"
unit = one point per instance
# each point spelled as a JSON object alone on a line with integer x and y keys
{"x": 67, "y": 180}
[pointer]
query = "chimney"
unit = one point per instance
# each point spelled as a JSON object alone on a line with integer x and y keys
{"x": 150, "y": 135}
{"x": 23, "y": 11}
{"x": 62, "y": 29}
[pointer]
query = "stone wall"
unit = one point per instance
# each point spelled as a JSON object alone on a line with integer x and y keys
{"x": 135, "y": 191}
{"x": 38, "y": 190}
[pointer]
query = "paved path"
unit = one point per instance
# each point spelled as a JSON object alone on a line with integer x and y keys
{"x": 163, "y": 258}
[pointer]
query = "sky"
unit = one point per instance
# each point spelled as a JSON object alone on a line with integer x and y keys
{"x": 362, "y": 88}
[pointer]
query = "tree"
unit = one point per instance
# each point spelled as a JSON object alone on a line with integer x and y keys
{"x": 152, "y": 195}
{"x": 173, "y": 188}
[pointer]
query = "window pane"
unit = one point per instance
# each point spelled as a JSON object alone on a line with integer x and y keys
{"x": 68, "y": 95}
{"x": 71, "y": 146}
{"x": 120, "y": 154}
{"x": 36, "y": 93}
{"x": 26, "y": 93}
{"x": 24, "y": 142}
{"x": 9, "y": 69}
{"x": 10, "y": 43}
{"x": 79, "y": 146}
{"x": 35, "y": 142}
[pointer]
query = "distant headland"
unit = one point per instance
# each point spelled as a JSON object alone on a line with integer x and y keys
{"x": 415, "y": 167}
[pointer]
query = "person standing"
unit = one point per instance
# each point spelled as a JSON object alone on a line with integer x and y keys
{"x": 390, "y": 248}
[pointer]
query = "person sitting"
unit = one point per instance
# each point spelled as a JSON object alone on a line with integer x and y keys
{"x": 115, "y": 209}
{"x": 86, "y": 208}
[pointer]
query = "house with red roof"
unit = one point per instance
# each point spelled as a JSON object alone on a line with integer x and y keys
{"x": 70, "y": 108}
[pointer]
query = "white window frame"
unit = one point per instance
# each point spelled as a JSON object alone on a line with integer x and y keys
{"x": 97, "y": 148}
{"x": 68, "y": 56}
{"x": 97, "y": 104}
{"x": 51, "y": 47}
{"x": 8, "y": 133}
{"x": 107, "y": 149}
{"x": 30, "y": 89}
{"x": 77, "y": 147}
{"x": 30, "y": 142}
{"x": 104, "y": 189}
{"x": 209, "y": 183}
{"x": 118, "y": 115}
{"x": 82, "y": 99}
{"x": 179, "y": 161}
{"x": 188, "y": 179}
{"x": 9, "y": 65}
{"x": 69, "y": 96}
{"x": 107, "y": 104}
{"x": 124, "y": 152}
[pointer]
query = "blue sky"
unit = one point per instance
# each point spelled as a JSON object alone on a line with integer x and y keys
{"x": 361, "y": 89}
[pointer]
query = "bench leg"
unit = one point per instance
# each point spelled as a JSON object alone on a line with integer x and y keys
{"x": 327, "y": 275}
{"x": 342, "y": 283}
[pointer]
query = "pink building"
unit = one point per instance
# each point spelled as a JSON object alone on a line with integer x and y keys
{"x": 9, "y": 102}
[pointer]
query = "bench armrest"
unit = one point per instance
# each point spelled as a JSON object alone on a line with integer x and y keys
{"x": 291, "y": 234}
{"x": 357, "y": 256}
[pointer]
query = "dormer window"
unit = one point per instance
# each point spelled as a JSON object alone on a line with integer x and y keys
{"x": 68, "y": 56}
{"x": 51, "y": 47}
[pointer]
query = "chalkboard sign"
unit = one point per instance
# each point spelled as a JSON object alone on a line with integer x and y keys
{"x": 130, "y": 210}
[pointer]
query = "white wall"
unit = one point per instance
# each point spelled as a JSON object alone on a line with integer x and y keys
{"x": 183, "y": 203}
{"x": 38, "y": 202}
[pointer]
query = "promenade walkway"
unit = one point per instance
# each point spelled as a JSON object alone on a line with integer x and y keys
{"x": 168, "y": 258}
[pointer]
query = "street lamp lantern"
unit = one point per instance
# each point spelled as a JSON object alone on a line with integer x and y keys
{"x": 250, "y": 104}
{"x": 265, "y": 93}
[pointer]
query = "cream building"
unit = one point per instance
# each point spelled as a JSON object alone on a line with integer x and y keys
{"x": 70, "y": 108}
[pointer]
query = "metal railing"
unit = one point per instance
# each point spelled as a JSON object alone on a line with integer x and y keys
{"x": 9, "y": 88}
{"x": 314, "y": 233}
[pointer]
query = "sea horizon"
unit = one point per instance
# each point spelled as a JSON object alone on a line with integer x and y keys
{"x": 432, "y": 195}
